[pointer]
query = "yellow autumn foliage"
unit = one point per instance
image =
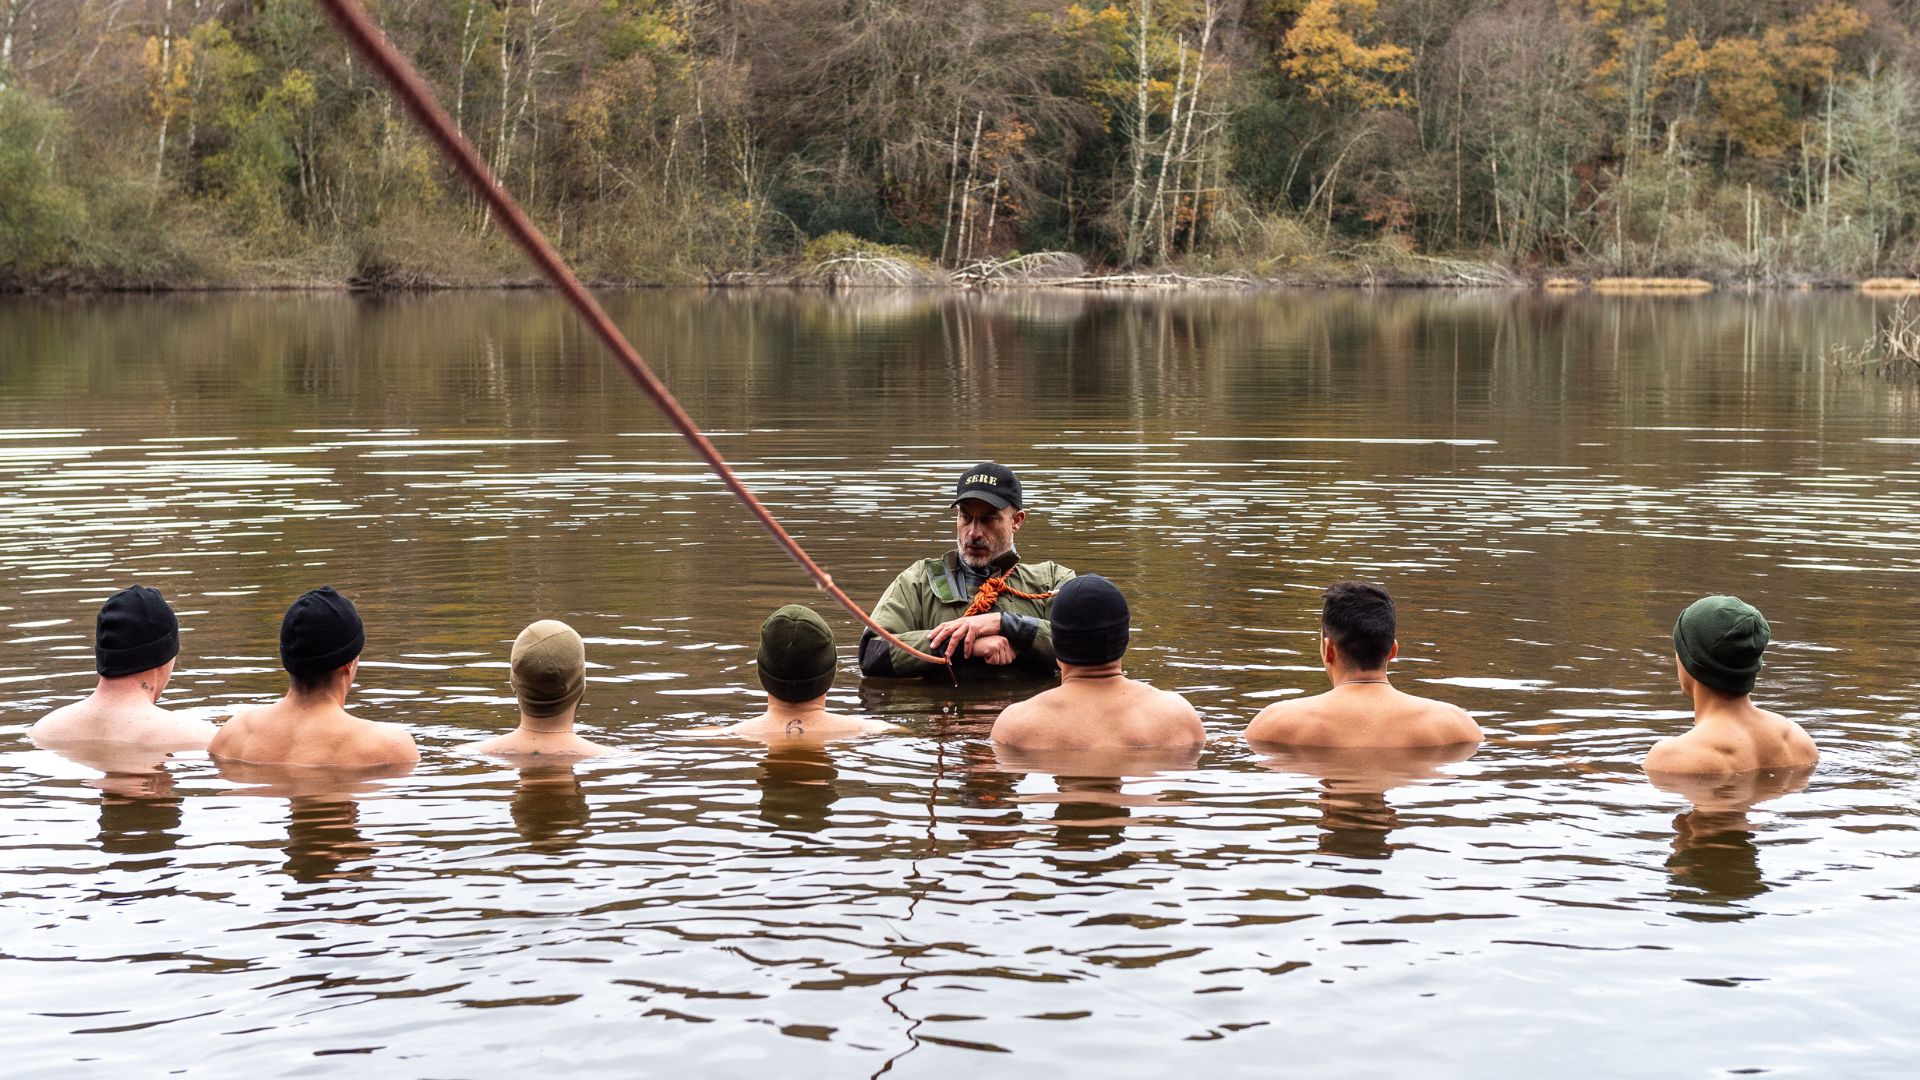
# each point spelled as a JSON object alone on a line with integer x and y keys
{"x": 1324, "y": 53}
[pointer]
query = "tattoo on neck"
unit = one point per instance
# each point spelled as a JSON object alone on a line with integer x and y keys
{"x": 145, "y": 685}
{"x": 795, "y": 727}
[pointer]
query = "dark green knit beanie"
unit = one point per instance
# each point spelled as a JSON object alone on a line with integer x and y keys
{"x": 796, "y": 654}
{"x": 1719, "y": 640}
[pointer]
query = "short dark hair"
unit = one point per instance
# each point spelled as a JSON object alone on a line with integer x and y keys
{"x": 1358, "y": 618}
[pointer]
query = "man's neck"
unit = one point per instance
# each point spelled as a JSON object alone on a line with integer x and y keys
{"x": 319, "y": 701}
{"x": 1340, "y": 677}
{"x": 561, "y": 724}
{"x": 1715, "y": 708}
{"x": 124, "y": 692}
{"x": 802, "y": 711}
{"x": 1090, "y": 672}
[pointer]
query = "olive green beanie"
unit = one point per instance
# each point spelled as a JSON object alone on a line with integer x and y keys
{"x": 549, "y": 668}
{"x": 796, "y": 658}
{"x": 1719, "y": 640}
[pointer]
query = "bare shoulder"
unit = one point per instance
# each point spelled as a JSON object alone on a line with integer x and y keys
{"x": 859, "y": 725}
{"x": 1283, "y": 721}
{"x": 499, "y": 744}
{"x": 1017, "y": 720}
{"x": 397, "y": 741}
{"x": 1798, "y": 740}
{"x": 234, "y": 732}
{"x": 1179, "y": 715}
{"x": 1682, "y": 755}
{"x": 1453, "y": 724}
{"x": 53, "y": 725}
{"x": 183, "y": 732}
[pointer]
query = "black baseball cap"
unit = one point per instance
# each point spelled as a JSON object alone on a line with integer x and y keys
{"x": 990, "y": 483}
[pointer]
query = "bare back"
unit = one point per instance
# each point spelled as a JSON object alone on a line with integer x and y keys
{"x": 822, "y": 724}
{"x": 288, "y": 732}
{"x": 520, "y": 743}
{"x": 1363, "y": 715}
{"x": 1100, "y": 713}
{"x": 135, "y": 722}
{"x": 1734, "y": 740}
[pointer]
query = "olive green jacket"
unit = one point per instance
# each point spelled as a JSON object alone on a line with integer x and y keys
{"x": 934, "y": 591}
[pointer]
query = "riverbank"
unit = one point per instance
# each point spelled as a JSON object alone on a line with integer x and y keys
{"x": 1065, "y": 272}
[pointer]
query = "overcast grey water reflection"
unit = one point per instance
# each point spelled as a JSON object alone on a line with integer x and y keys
{"x": 1543, "y": 482}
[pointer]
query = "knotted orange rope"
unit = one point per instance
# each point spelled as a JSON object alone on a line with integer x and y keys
{"x": 991, "y": 590}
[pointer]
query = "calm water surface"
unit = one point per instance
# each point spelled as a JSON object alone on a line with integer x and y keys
{"x": 1542, "y": 482}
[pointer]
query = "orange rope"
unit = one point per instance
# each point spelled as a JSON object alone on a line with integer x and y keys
{"x": 418, "y": 99}
{"x": 991, "y": 590}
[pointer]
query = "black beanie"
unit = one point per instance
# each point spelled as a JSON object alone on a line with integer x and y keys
{"x": 136, "y": 632}
{"x": 320, "y": 634}
{"x": 1090, "y": 621}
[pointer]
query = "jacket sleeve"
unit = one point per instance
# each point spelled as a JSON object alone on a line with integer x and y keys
{"x": 1038, "y": 655}
{"x": 902, "y": 610}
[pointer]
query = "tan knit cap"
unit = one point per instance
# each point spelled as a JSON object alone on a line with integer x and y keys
{"x": 549, "y": 668}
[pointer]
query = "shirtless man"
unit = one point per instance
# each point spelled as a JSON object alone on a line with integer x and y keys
{"x": 796, "y": 665}
{"x": 135, "y": 642}
{"x": 320, "y": 641}
{"x": 549, "y": 673}
{"x": 1096, "y": 707}
{"x": 1717, "y": 644}
{"x": 1362, "y": 709}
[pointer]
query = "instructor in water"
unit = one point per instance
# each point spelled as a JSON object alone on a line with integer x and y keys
{"x": 978, "y": 604}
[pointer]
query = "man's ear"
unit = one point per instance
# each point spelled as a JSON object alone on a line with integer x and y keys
{"x": 1329, "y": 655}
{"x": 1018, "y": 517}
{"x": 1393, "y": 652}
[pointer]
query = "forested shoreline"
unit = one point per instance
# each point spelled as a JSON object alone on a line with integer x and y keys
{"x": 236, "y": 143}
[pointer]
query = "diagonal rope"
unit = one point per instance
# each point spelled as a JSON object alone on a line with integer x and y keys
{"x": 419, "y": 100}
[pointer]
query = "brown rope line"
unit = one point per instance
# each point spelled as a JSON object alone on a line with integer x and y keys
{"x": 419, "y": 100}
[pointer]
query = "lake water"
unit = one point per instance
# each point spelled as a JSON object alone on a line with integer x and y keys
{"x": 1542, "y": 482}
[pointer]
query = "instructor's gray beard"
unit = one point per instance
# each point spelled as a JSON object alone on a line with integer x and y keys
{"x": 981, "y": 568}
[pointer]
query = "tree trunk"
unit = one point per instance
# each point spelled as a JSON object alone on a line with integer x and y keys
{"x": 966, "y": 191}
{"x": 1186, "y": 134}
{"x": 1138, "y": 186}
{"x": 993, "y": 207}
{"x": 953, "y": 177}
{"x": 468, "y": 45}
{"x": 165, "y": 76}
{"x": 1826, "y": 169}
{"x": 6, "y": 41}
{"x": 1156, "y": 210}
